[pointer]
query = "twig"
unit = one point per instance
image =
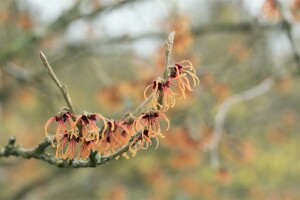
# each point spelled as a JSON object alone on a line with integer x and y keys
{"x": 74, "y": 13}
{"x": 256, "y": 91}
{"x": 12, "y": 149}
{"x": 62, "y": 88}
{"x": 168, "y": 49}
{"x": 18, "y": 72}
{"x": 18, "y": 44}
{"x": 203, "y": 30}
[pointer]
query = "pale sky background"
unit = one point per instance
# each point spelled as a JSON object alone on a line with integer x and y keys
{"x": 141, "y": 18}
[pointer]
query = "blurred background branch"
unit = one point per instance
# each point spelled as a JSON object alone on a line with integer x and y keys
{"x": 224, "y": 108}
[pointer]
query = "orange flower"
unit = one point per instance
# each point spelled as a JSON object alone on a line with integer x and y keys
{"x": 123, "y": 131}
{"x": 65, "y": 125}
{"x": 66, "y": 146}
{"x": 85, "y": 149}
{"x": 161, "y": 87}
{"x": 72, "y": 130}
{"x": 149, "y": 121}
{"x": 66, "y": 135}
{"x": 90, "y": 130}
{"x": 108, "y": 142}
{"x": 143, "y": 141}
{"x": 149, "y": 127}
{"x": 180, "y": 73}
{"x": 115, "y": 136}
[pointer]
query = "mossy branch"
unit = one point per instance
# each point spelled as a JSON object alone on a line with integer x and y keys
{"x": 39, "y": 153}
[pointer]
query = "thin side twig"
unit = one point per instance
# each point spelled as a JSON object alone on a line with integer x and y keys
{"x": 62, "y": 88}
{"x": 168, "y": 50}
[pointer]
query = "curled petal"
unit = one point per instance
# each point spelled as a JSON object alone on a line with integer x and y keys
{"x": 145, "y": 91}
{"x": 167, "y": 120}
{"x": 48, "y": 124}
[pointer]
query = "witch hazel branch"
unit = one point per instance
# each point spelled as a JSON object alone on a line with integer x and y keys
{"x": 91, "y": 139}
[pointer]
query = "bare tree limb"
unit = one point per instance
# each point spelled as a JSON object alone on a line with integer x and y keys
{"x": 208, "y": 29}
{"x": 247, "y": 95}
{"x": 74, "y": 13}
{"x": 31, "y": 38}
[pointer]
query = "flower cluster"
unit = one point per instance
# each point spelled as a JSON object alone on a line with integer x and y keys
{"x": 179, "y": 76}
{"x": 78, "y": 136}
{"x": 149, "y": 127}
{"x": 162, "y": 98}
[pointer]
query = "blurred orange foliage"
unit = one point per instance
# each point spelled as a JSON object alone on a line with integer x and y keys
{"x": 25, "y": 21}
{"x": 184, "y": 159}
{"x": 221, "y": 91}
{"x": 239, "y": 51}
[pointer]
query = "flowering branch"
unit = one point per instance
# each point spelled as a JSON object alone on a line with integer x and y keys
{"x": 62, "y": 88}
{"x": 247, "y": 95}
{"x": 38, "y": 153}
{"x": 114, "y": 138}
{"x": 168, "y": 49}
